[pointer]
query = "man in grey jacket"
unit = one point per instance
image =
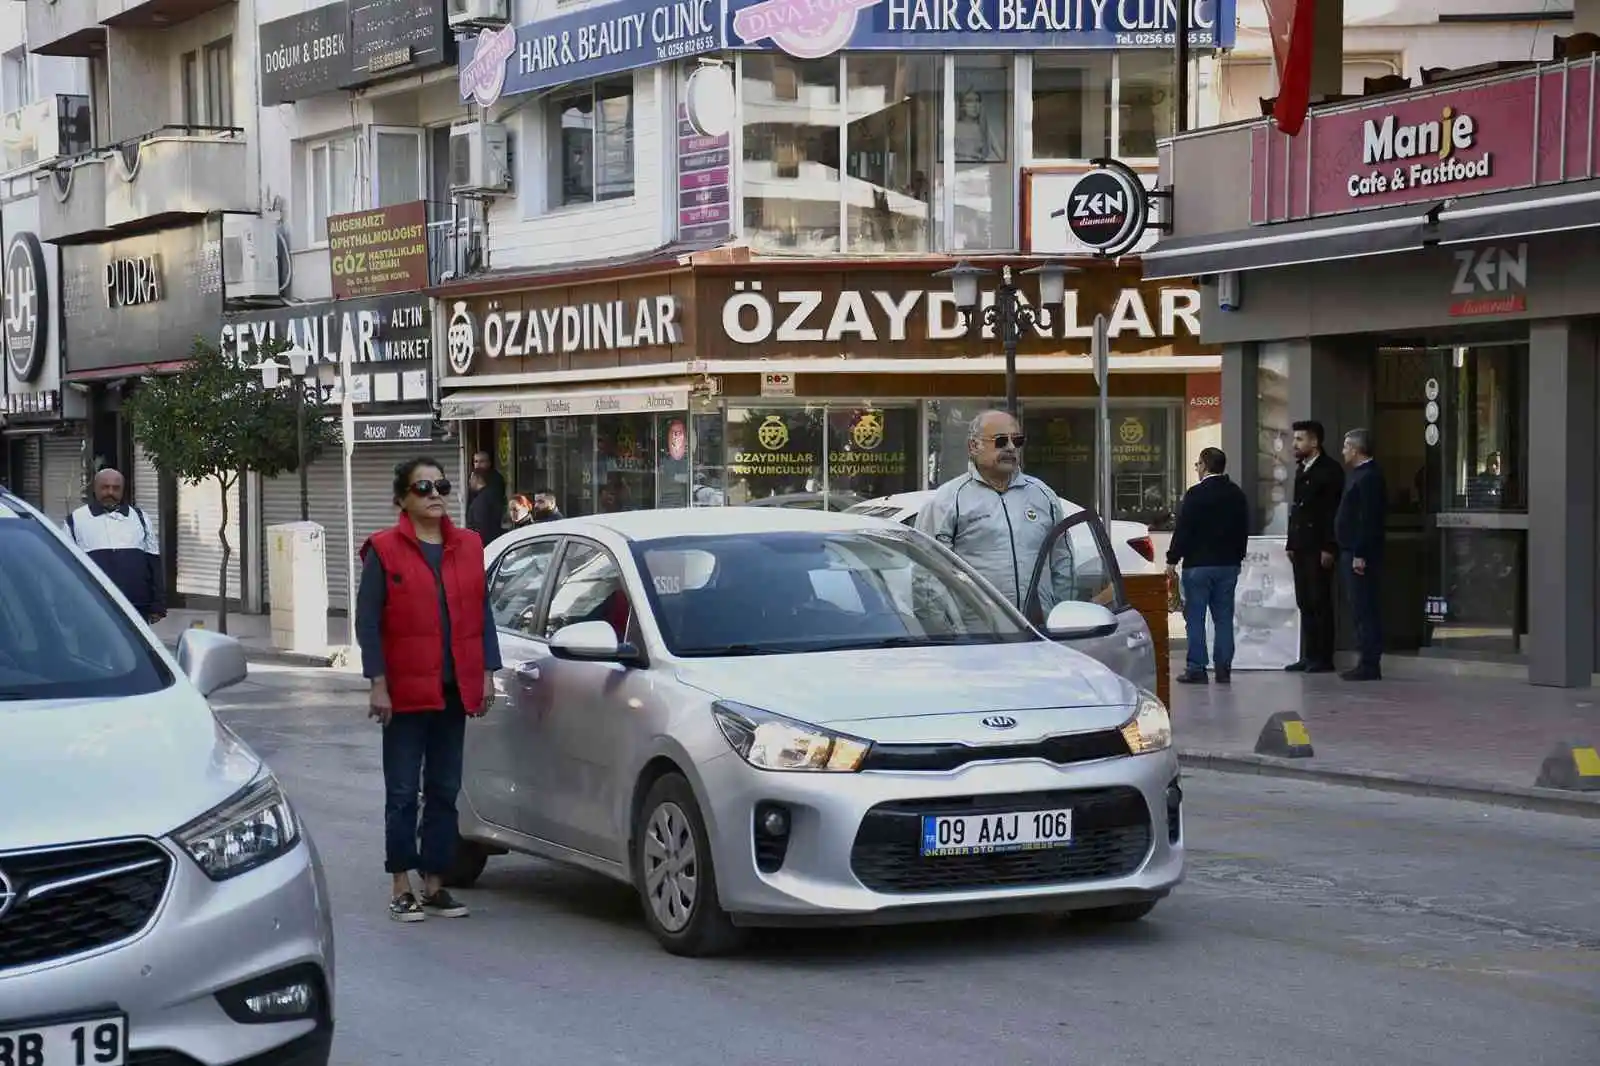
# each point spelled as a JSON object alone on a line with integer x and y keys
{"x": 997, "y": 518}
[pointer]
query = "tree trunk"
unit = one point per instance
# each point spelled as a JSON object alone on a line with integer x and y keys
{"x": 227, "y": 556}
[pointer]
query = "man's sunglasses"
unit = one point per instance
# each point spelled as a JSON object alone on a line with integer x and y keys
{"x": 428, "y": 488}
{"x": 1008, "y": 440}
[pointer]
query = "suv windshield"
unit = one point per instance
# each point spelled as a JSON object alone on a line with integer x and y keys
{"x": 782, "y": 593}
{"x": 61, "y": 636}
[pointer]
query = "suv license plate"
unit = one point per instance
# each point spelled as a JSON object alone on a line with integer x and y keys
{"x": 86, "y": 1042}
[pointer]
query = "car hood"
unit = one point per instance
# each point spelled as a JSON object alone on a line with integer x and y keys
{"x": 883, "y": 691}
{"x": 84, "y": 769}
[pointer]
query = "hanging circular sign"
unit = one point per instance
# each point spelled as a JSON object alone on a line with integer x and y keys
{"x": 709, "y": 101}
{"x": 1431, "y": 389}
{"x": 1431, "y": 434}
{"x": 27, "y": 329}
{"x": 1108, "y": 208}
{"x": 1431, "y": 411}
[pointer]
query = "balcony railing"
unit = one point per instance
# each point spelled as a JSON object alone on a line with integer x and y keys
{"x": 457, "y": 234}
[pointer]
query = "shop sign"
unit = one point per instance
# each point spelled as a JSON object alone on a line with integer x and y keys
{"x": 43, "y": 402}
{"x": 377, "y": 252}
{"x": 305, "y": 55}
{"x": 772, "y": 456}
{"x": 1488, "y": 137}
{"x": 382, "y": 429}
{"x": 756, "y": 315}
{"x": 133, "y": 280}
{"x": 864, "y": 454}
{"x": 392, "y": 37}
{"x": 1490, "y": 281}
{"x": 564, "y": 404}
{"x": 27, "y": 303}
{"x": 809, "y": 29}
{"x": 1066, "y": 211}
{"x": 599, "y": 326}
{"x": 705, "y": 186}
{"x": 1108, "y": 210}
{"x": 1204, "y": 401}
{"x": 593, "y": 43}
{"x": 777, "y": 383}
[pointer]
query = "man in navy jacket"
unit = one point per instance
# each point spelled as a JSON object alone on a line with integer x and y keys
{"x": 1359, "y": 526}
{"x": 118, "y": 537}
{"x": 1211, "y": 537}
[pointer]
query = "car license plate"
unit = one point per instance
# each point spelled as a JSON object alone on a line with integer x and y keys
{"x": 981, "y": 834}
{"x": 84, "y": 1042}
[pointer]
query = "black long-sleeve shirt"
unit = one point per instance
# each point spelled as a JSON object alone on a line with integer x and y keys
{"x": 1359, "y": 524}
{"x": 373, "y": 594}
{"x": 1213, "y": 525}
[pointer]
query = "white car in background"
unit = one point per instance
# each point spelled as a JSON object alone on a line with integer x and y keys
{"x": 1136, "y": 552}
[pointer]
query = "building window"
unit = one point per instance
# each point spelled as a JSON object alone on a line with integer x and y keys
{"x": 219, "y": 82}
{"x": 191, "y": 89}
{"x": 397, "y": 165}
{"x": 1072, "y": 105}
{"x": 983, "y": 194}
{"x": 331, "y": 179}
{"x": 590, "y": 141}
{"x": 791, "y": 152}
{"x": 892, "y": 140}
{"x": 1146, "y": 102}
{"x": 16, "y": 89}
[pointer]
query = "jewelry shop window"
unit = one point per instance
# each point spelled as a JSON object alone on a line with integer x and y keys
{"x": 589, "y": 142}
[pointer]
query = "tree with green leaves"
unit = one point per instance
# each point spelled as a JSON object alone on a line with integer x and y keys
{"x": 213, "y": 419}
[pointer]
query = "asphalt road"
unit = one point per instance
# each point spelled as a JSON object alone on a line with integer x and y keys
{"x": 1320, "y": 925}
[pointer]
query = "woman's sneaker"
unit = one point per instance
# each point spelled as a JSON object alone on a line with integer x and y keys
{"x": 404, "y": 908}
{"x": 443, "y": 905}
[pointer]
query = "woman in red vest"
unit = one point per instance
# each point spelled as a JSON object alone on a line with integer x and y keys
{"x": 429, "y": 647}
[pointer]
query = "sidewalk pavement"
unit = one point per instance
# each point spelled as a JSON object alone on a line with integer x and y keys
{"x": 254, "y": 631}
{"x": 1473, "y": 738}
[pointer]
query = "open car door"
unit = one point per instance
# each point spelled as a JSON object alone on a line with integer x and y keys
{"x": 1078, "y": 564}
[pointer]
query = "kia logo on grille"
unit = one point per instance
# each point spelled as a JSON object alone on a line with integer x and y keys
{"x": 1000, "y": 721}
{"x": 8, "y": 895}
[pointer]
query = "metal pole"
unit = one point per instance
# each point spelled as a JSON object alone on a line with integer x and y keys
{"x": 347, "y": 424}
{"x": 1181, "y": 48}
{"x": 300, "y": 448}
{"x": 1008, "y": 337}
{"x": 1102, "y": 367}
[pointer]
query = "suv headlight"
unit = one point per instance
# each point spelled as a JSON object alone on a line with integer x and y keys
{"x": 1150, "y": 728}
{"x": 252, "y": 827}
{"x": 770, "y": 741}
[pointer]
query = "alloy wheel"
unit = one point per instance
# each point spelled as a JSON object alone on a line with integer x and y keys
{"x": 671, "y": 867}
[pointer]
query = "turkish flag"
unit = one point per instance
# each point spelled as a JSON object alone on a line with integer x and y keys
{"x": 1290, "y": 24}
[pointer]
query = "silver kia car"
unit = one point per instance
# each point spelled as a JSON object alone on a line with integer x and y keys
{"x": 760, "y": 716}
{"x": 160, "y": 903}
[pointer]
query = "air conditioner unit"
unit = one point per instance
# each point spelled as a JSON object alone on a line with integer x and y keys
{"x": 479, "y": 158}
{"x": 474, "y": 14}
{"x": 249, "y": 257}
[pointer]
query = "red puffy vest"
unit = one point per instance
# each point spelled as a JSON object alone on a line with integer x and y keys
{"x": 413, "y": 644}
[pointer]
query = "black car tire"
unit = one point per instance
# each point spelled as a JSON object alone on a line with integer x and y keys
{"x": 709, "y": 931}
{"x": 471, "y": 858}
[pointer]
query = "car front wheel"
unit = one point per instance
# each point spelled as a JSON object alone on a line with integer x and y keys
{"x": 471, "y": 858}
{"x": 675, "y": 875}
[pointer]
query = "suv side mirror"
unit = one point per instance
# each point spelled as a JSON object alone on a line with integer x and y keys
{"x": 211, "y": 661}
{"x": 1077, "y": 620}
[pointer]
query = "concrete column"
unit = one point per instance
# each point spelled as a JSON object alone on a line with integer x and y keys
{"x": 1330, "y": 380}
{"x": 1327, "y": 56}
{"x": 1585, "y": 16}
{"x": 1239, "y": 419}
{"x": 1562, "y": 384}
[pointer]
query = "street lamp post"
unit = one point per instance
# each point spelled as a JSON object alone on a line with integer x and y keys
{"x": 1008, "y": 316}
{"x": 299, "y": 362}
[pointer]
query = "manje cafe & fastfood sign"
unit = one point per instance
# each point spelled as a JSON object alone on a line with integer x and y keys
{"x": 1427, "y": 153}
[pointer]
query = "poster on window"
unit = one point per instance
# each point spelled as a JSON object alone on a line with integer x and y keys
{"x": 1266, "y": 621}
{"x": 983, "y": 113}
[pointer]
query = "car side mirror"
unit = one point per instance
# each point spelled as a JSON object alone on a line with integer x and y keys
{"x": 211, "y": 661}
{"x": 1077, "y": 620}
{"x": 590, "y": 642}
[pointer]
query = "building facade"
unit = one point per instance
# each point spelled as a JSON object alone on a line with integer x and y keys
{"x": 1415, "y": 263}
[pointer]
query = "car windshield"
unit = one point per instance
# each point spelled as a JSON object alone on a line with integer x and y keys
{"x": 61, "y": 636}
{"x": 791, "y": 592}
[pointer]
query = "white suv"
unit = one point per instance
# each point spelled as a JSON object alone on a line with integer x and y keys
{"x": 160, "y": 903}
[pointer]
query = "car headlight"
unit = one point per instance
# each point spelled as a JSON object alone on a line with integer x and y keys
{"x": 770, "y": 741}
{"x": 252, "y": 827}
{"x": 1150, "y": 728}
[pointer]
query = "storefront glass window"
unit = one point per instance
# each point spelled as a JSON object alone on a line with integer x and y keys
{"x": 554, "y": 455}
{"x": 1072, "y": 105}
{"x": 892, "y": 139}
{"x": 709, "y": 459}
{"x": 791, "y": 152}
{"x": 1060, "y": 450}
{"x": 672, "y": 460}
{"x": 626, "y": 458}
{"x": 775, "y": 455}
{"x": 983, "y": 192}
{"x": 1488, "y": 398}
{"x": 1274, "y": 443}
{"x": 1141, "y": 465}
{"x": 949, "y": 423}
{"x": 871, "y": 452}
{"x": 1146, "y": 95}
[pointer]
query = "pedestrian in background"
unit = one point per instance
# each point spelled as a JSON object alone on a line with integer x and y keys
{"x": 1210, "y": 540}
{"x": 485, "y": 512}
{"x": 1359, "y": 527}
{"x": 429, "y": 647}
{"x": 118, "y": 537}
{"x": 544, "y": 507}
{"x": 494, "y": 485}
{"x": 1313, "y": 548}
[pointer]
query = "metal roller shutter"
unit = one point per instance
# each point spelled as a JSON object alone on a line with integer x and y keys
{"x": 63, "y": 482}
{"x": 27, "y": 454}
{"x": 371, "y": 471}
{"x": 147, "y": 488}
{"x": 199, "y": 553}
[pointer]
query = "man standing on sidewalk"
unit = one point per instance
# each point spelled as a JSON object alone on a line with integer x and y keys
{"x": 1359, "y": 527}
{"x": 429, "y": 646}
{"x": 1211, "y": 537}
{"x": 1313, "y": 549}
{"x": 118, "y": 537}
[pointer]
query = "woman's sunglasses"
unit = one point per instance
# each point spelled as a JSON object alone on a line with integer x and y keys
{"x": 428, "y": 488}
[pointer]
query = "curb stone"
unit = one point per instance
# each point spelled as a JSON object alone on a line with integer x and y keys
{"x": 1552, "y": 801}
{"x": 335, "y": 658}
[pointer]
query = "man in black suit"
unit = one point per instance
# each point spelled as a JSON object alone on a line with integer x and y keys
{"x": 1313, "y": 549}
{"x": 1210, "y": 539}
{"x": 1359, "y": 526}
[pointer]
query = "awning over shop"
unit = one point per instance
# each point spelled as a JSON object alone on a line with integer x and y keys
{"x": 1400, "y": 229}
{"x": 1575, "y": 205}
{"x": 536, "y": 403}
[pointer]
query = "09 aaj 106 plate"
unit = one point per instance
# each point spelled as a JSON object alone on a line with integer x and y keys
{"x": 95, "y": 1041}
{"x": 982, "y": 834}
